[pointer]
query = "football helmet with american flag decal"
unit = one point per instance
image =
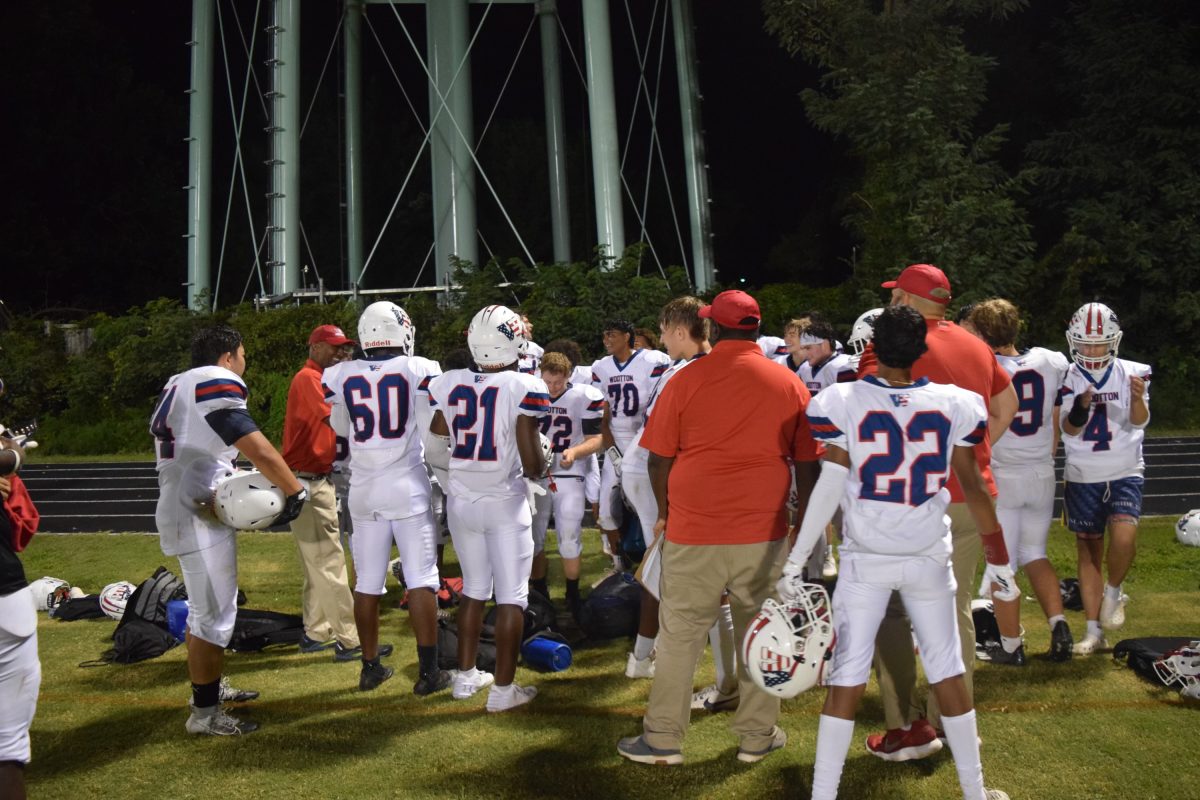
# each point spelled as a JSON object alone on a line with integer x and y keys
{"x": 1094, "y": 324}
{"x": 788, "y": 643}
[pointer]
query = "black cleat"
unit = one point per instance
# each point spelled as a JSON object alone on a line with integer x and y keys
{"x": 998, "y": 655}
{"x": 1061, "y": 642}
{"x": 343, "y": 653}
{"x": 433, "y": 682}
{"x": 372, "y": 675}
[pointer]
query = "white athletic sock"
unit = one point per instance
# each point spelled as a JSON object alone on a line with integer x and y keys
{"x": 468, "y": 674}
{"x": 643, "y": 647}
{"x": 720, "y": 637}
{"x": 1094, "y": 629}
{"x": 833, "y": 743}
{"x": 1057, "y": 618}
{"x": 1112, "y": 592}
{"x": 963, "y": 738}
{"x": 1010, "y": 643}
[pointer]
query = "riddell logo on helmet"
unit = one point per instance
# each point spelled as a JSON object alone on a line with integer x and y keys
{"x": 367, "y": 344}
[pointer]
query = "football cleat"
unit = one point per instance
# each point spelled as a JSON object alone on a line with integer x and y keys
{"x": 919, "y": 741}
{"x": 503, "y": 698}
{"x": 433, "y": 682}
{"x": 218, "y": 723}
{"x": 372, "y": 675}
{"x": 639, "y": 667}
{"x": 467, "y": 683}
{"x": 232, "y": 695}
{"x": 701, "y": 697}
{"x": 998, "y": 655}
{"x": 1061, "y": 642}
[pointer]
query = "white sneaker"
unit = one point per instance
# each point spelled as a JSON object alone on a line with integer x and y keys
{"x": 468, "y": 683}
{"x": 502, "y": 698}
{"x": 1112, "y": 612}
{"x": 639, "y": 667}
{"x": 1088, "y": 645}
{"x": 218, "y": 723}
{"x": 995, "y": 794}
{"x": 708, "y": 693}
{"x": 829, "y": 569}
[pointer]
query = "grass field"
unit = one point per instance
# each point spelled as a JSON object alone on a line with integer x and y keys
{"x": 1084, "y": 729}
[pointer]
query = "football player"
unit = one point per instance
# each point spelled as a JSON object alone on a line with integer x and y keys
{"x": 572, "y": 424}
{"x": 199, "y": 424}
{"x": 625, "y": 379}
{"x": 823, "y": 366}
{"x": 861, "y": 334}
{"x": 794, "y": 353}
{"x": 890, "y": 445}
{"x": 686, "y": 336}
{"x": 532, "y": 353}
{"x": 381, "y": 405}
{"x": 485, "y": 435}
{"x": 1105, "y": 410}
{"x": 1023, "y": 466}
{"x": 773, "y": 347}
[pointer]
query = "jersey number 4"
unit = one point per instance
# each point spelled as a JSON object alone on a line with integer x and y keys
{"x": 1096, "y": 431}
{"x": 469, "y": 443}
{"x": 881, "y": 467}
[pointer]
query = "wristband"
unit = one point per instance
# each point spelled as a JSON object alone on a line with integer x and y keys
{"x": 994, "y": 549}
{"x": 1079, "y": 415}
{"x": 16, "y": 455}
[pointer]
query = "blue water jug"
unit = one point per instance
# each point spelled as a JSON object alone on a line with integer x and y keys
{"x": 542, "y": 653}
{"x": 177, "y": 613}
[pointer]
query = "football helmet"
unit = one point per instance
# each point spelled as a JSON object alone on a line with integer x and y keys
{"x": 114, "y": 597}
{"x": 787, "y": 644}
{"x": 1181, "y": 667}
{"x": 1187, "y": 529}
{"x": 863, "y": 331}
{"x": 496, "y": 337}
{"x": 547, "y": 453}
{"x": 987, "y": 629}
{"x": 247, "y": 501}
{"x": 385, "y": 324}
{"x": 49, "y": 592}
{"x": 1094, "y": 324}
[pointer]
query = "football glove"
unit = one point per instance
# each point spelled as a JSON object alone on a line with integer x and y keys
{"x": 292, "y": 505}
{"x": 533, "y": 490}
{"x": 1001, "y": 575}
{"x": 613, "y": 456}
{"x": 788, "y": 585}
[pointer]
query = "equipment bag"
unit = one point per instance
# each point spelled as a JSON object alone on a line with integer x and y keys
{"x": 1140, "y": 654}
{"x": 135, "y": 639}
{"x": 540, "y": 616}
{"x": 611, "y": 610}
{"x": 79, "y": 608}
{"x": 256, "y": 630}
{"x": 149, "y": 601}
{"x": 485, "y": 654}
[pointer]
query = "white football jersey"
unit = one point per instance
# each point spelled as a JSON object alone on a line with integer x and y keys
{"x": 1108, "y": 447}
{"x": 787, "y": 361}
{"x": 772, "y": 346}
{"x": 636, "y": 458}
{"x": 191, "y": 448}
{"x": 1037, "y": 375}
{"x": 564, "y": 422}
{"x": 530, "y": 359}
{"x": 481, "y": 410}
{"x": 581, "y": 376}
{"x": 835, "y": 369}
{"x": 386, "y": 400}
{"x": 627, "y": 388}
{"x": 900, "y": 440}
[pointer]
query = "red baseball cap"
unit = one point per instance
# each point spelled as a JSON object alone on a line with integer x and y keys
{"x": 329, "y": 334}
{"x": 733, "y": 309}
{"x": 923, "y": 280}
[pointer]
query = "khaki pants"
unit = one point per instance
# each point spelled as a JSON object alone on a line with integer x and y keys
{"x": 693, "y": 578}
{"x": 328, "y": 605}
{"x": 895, "y": 662}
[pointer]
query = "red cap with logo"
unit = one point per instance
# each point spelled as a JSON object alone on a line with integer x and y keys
{"x": 733, "y": 309}
{"x": 923, "y": 280}
{"x": 329, "y": 334}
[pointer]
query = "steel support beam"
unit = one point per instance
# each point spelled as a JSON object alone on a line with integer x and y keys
{"x": 602, "y": 115}
{"x": 199, "y": 141}
{"x": 283, "y": 243}
{"x": 699, "y": 212}
{"x": 447, "y": 25}
{"x": 556, "y": 153}
{"x": 352, "y": 95}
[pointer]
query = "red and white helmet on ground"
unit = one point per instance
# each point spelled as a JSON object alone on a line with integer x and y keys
{"x": 496, "y": 337}
{"x": 49, "y": 592}
{"x": 385, "y": 324}
{"x": 1187, "y": 529}
{"x": 1181, "y": 668}
{"x": 1094, "y": 324}
{"x": 787, "y": 644}
{"x": 863, "y": 331}
{"x": 114, "y": 597}
{"x": 247, "y": 501}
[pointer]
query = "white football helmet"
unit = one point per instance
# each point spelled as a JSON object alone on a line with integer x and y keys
{"x": 496, "y": 337}
{"x": 1092, "y": 324}
{"x": 863, "y": 331}
{"x": 786, "y": 645}
{"x": 49, "y": 592}
{"x": 1187, "y": 529}
{"x": 114, "y": 597}
{"x": 247, "y": 501}
{"x": 547, "y": 453}
{"x": 1181, "y": 667}
{"x": 385, "y": 324}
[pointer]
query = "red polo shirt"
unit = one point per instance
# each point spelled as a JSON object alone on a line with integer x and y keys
{"x": 308, "y": 441}
{"x": 959, "y": 359}
{"x": 733, "y": 421}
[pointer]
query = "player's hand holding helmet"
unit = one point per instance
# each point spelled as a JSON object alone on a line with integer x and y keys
{"x": 791, "y": 583}
{"x": 547, "y": 454}
{"x": 293, "y": 504}
{"x": 787, "y": 644}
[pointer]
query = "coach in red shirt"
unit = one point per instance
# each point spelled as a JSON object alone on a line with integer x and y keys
{"x": 308, "y": 448}
{"x": 722, "y": 439}
{"x": 958, "y": 358}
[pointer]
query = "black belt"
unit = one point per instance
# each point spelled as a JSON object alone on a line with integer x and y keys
{"x": 313, "y": 476}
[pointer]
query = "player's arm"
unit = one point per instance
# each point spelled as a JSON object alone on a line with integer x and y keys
{"x": 1077, "y": 417}
{"x": 1054, "y": 420}
{"x": 1139, "y": 406}
{"x": 659, "y": 468}
{"x": 999, "y": 583}
{"x": 818, "y": 507}
{"x": 1002, "y": 407}
{"x": 591, "y": 444}
{"x": 266, "y": 459}
{"x": 606, "y": 436}
{"x": 437, "y": 448}
{"x": 11, "y": 456}
{"x": 529, "y": 446}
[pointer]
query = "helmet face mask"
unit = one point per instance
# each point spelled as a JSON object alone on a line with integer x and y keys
{"x": 863, "y": 331}
{"x": 1094, "y": 336}
{"x": 1181, "y": 667}
{"x": 385, "y": 324}
{"x": 787, "y": 645}
{"x": 496, "y": 337}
